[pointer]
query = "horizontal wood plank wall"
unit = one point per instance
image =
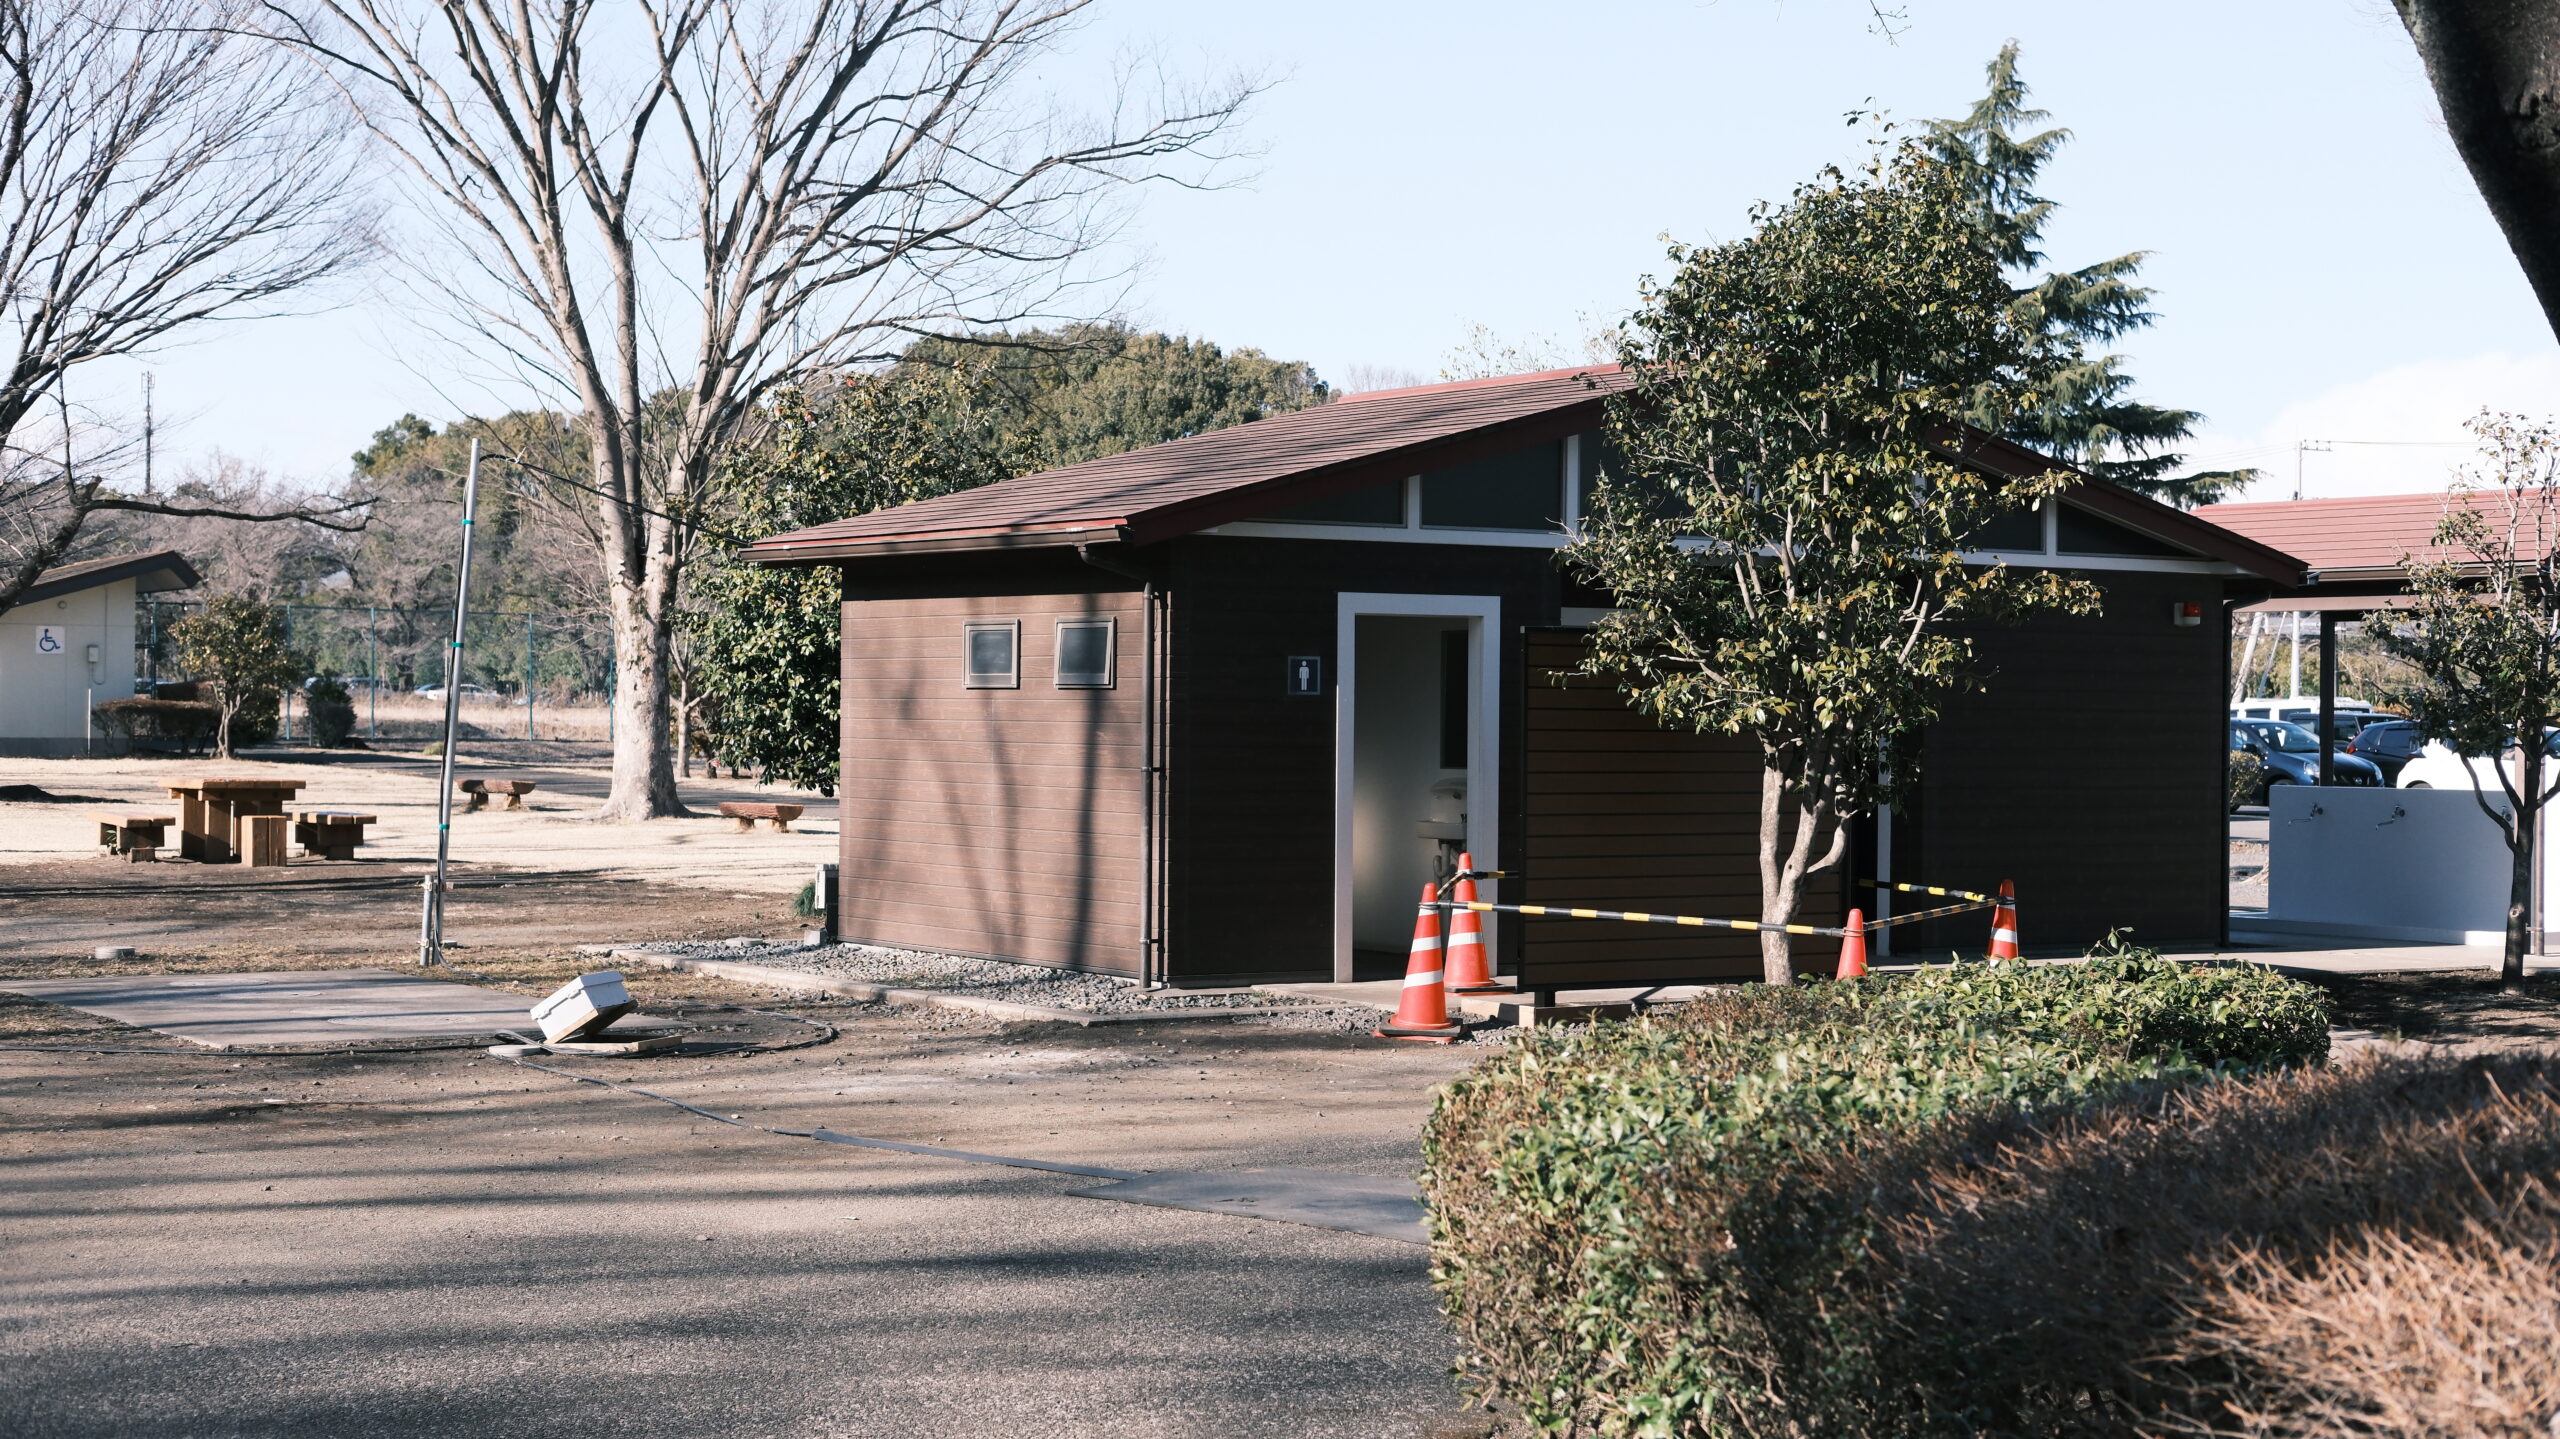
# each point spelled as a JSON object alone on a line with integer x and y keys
{"x": 1250, "y": 863}
{"x": 1624, "y": 814}
{"x": 998, "y": 822}
{"x": 2088, "y": 770}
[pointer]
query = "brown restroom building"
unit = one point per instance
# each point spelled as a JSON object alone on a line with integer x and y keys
{"x": 1210, "y": 711}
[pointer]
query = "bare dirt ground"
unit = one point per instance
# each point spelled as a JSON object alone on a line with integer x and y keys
{"x": 552, "y": 833}
{"x": 440, "y": 1242}
{"x": 2464, "y": 1012}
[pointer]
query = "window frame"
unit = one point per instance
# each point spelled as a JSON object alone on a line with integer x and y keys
{"x": 1110, "y": 673}
{"x": 970, "y": 677}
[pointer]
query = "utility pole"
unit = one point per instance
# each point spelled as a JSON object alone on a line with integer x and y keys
{"x": 2301, "y": 448}
{"x": 146, "y": 432}
{"x": 431, "y": 923}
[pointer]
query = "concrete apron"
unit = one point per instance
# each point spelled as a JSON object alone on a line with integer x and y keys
{"x": 310, "y": 1006}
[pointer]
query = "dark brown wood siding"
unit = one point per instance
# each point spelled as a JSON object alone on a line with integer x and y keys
{"x": 999, "y": 822}
{"x": 2088, "y": 769}
{"x": 1624, "y": 814}
{"x": 1250, "y": 858}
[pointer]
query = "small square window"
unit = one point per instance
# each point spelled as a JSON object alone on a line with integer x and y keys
{"x": 992, "y": 651}
{"x": 1085, "y": 654}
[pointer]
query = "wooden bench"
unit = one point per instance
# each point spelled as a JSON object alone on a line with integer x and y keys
{"x": 480, "y": 789}
{"x": 138, "y": 837}
{"x": 747, "y": 812}
{"x": 329, "y": 833}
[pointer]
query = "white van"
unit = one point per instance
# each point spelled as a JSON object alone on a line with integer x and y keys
{"x": 2263, "y": 707}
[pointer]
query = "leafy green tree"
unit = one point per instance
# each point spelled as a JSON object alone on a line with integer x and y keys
{"x": 2483, "y": 635}
{"x": 236, "y": 644}
{"x": 1791, "y": 393}
{"x": 1084, "y": 391}
{"x": 765, "y": 642}
{"x": 2084, "y": 412}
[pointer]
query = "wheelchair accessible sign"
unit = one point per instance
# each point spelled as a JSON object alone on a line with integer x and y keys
{"x": 50, "y": 640}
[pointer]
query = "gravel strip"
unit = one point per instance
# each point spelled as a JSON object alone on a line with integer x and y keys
{"x": 977, "y": 978}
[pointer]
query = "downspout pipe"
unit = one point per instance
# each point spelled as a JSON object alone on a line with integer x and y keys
{"x": 1151, "y": 958}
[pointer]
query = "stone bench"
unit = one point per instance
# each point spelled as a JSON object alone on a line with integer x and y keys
{"x": 329, "y": 833}
{"x": 480, "y": 789}
{"x": 747, "y": 812}
{"x": 137, "y": 837}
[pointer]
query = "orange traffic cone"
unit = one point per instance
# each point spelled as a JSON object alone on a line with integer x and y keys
{"x": 1423, "y": 1012}
{"x": 2004, "y": 923}
{"x": 1468, "y": 971}
{"x": 1853, "y": 947}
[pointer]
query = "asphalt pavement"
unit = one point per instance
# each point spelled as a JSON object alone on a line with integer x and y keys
{"x": 443, "y": 1244}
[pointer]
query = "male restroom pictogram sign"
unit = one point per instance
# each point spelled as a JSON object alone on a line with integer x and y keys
{"x": 1306, "y": 676}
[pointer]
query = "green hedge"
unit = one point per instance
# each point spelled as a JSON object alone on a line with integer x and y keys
{"x": 1636, "y": 1229}
{"x": 2248, "y": 774}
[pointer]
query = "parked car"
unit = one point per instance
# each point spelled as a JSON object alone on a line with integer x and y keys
{"x": 2390, "y": 744}
{"x": 2291, "y": 755}
{"x": 471, "y": 694}
{"x": 2344, "y": 724}
{"x": 2436, "y": 766}
{"x": 353, "y": 684}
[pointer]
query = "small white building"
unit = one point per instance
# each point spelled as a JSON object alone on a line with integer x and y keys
{"x": 67, "y": 644}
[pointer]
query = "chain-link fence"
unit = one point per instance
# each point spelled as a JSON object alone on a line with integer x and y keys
{"x": 524, "y": 677}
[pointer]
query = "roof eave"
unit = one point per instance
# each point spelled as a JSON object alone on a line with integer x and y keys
{"x": 888, "y": 546}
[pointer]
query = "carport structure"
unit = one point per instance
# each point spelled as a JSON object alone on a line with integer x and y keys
{"x": 1210, "y": 712}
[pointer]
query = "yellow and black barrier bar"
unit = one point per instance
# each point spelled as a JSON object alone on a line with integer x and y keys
{"x": 1929, "y": 889}
{"x": 1918, "y": 915}
{"x": 1638, "y": 916}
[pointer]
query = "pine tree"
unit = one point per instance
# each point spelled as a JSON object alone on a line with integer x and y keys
{"x": 2085, "y": 414}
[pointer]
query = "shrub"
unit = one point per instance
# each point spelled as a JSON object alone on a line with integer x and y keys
{"x": 2248, "y": 772}
{"x": 1632, "y": 1233}
{"x": 2368, "y": 1250}
{"x": 333, "y": 714}
{"x": 185, "y": 726}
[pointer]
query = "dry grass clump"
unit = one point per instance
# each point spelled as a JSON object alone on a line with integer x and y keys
{"x": 2395, "y": 1334}
{"x": 2362, "y": 1251}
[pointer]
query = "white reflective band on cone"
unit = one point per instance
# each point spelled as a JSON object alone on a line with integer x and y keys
{"x": 2009, "y": 935}
{"x": 1469, "y": 938}
{"x": 1417, "y": 981}
{"x": 1426, "y": 946}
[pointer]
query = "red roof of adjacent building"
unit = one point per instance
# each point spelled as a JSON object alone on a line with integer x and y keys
{"x": 1200, "y": 481}
{"x": 2350, "y": 539}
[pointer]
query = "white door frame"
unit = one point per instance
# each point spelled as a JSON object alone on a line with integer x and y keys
{"x": 1484, "y": 736}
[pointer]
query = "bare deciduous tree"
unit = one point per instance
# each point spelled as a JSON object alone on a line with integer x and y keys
{"x": 157, "y": 171}
{"x": 660, "y": 210}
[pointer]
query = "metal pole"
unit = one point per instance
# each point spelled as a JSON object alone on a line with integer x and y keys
{"x": 286, "y": 704}
{"x": 2328, "y": 695}
{"x": 373, "y": 681}
{"x": 528, "y": 677}
{"x": 431, "y": 922}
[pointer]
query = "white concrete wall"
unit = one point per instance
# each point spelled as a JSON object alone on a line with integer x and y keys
{"x": 44, "y": 697}
{"x": 2434, "y": 871}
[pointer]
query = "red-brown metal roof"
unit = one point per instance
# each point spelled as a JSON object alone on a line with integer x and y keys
{"x": 2362, "y": 538}
{"x": 1202, "y": 480}
{"x": 1191, "y": 484}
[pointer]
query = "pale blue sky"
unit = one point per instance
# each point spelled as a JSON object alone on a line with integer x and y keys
{"x": 2325, "y": 268}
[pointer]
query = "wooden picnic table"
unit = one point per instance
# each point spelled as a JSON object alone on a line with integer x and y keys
{"x": 329, "y": 833}
{"x": 210, "y": 810}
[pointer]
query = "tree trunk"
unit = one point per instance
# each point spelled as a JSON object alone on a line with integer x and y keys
{"x": 2519, "y": 904}
{"x": 2495, "y": 67}
{"x": 222, "y": 732}
{"x": 644, "y": 776}
{"x": 1782, "y": 873}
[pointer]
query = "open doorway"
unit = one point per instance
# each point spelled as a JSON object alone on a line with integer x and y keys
{"x": 1415, "y": 762}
